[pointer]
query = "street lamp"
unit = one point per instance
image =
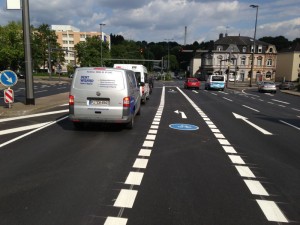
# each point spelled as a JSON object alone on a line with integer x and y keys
{"x": 101, "y": 24}
{"x": 253, "y": 51}
{"x": 168, "y": 40}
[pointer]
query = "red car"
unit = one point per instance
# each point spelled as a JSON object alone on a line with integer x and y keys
{"x": 192, "y": 83}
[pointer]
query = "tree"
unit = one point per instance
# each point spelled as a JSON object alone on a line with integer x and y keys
{"x": 11, "y": 47}
{"x": 43, "y": 40}
{"x": 280, "y": 42}
{"x": 89, "y": 52}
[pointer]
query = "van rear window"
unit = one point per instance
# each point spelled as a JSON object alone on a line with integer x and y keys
{"x": 217, "y": 78}
{"x": 99, "y": 79}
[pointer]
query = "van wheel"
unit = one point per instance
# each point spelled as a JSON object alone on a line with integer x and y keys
{"x": 78, "y": 125}
{"x": 130, "y": 124}
{"x": 139, "y": 112}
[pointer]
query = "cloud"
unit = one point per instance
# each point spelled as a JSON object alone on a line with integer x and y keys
{"x": 156, "y": 20}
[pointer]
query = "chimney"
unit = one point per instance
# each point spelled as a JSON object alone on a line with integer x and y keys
{"x": 221, "y": 35}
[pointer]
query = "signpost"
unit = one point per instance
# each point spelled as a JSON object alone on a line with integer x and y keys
{"x": 8, "y": 78}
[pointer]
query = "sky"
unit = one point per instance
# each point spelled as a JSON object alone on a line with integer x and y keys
{"x": 165, "y": 20}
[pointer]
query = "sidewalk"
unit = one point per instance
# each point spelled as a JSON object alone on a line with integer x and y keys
{"x": 41, "y": 104}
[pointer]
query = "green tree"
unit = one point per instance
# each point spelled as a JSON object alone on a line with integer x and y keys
{"x": 89, "y": 52}
{"x": 43, "y": 39}
{"x": 11, "y": 47}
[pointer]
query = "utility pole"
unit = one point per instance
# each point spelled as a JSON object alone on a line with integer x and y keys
{"x": 253, "y": 51}
{"x": 28, "y": 56}
{"x": 101, "y": 24}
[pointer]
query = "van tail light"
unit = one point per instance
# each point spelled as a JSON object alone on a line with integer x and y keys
{"x": 126, "y": 102}
{"x": 71, "y": 100}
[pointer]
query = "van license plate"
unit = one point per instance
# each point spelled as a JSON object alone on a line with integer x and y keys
{"x": 99, "y": 102}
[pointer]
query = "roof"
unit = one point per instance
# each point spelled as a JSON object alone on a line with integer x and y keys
{"x": 238, "y": 40}
{"x": 293, "y": 48}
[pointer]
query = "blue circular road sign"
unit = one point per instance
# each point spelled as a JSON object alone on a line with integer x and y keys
{"x": 182, "y": 126}
{"x": 8, "y": 78}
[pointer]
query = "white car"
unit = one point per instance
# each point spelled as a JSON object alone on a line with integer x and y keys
{"x": 267, "y": 86}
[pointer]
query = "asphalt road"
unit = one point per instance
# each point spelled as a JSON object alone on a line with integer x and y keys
{"x": 227, "y": 170}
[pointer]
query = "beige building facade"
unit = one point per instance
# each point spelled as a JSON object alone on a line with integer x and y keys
{"x": 288, "y": 64}
{"x": 69, "y": 36}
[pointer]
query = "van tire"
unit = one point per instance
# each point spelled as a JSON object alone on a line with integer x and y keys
{"x": 139, "y": 112}
{"x": 78, "y": 125}
{"x": 130, "y": 124}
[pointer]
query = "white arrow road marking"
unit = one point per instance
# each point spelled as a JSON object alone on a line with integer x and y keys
{"x": 237, "y": 116}
{"x": 9, "y": 79}
{"x": 183, "y": 116}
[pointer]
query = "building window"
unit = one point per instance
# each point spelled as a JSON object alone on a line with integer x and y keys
{"x": 71, "y": 35}
{"x": 82, "y": 36}
{"x": 243, "y": 61}
{"x": 259, "y": 61}
{"x": 71, "y": 42}
{"x": 260, "y": 49}
{"x": 65, "y": 42}
{"x": 65, "y": 35}
{"x": 244, "y": 49}
{"x": 269, "y": 62}
{"x": 219, "y": 48}
{"x": 271, "y": 50}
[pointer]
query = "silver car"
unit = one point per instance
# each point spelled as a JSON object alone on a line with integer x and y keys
{"x": 267, "y": 86}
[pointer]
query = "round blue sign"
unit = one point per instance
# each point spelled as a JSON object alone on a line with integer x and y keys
{"x": 8, "y": 78}
{"x": 181, "y": 126}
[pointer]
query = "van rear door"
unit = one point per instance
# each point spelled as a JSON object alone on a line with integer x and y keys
{"x": 99, "y": 93}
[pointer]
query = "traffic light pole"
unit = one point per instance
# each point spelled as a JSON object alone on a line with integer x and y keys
{"x": 28, "y": 56}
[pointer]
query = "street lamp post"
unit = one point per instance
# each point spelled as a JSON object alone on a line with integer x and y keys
{"x": 168, "y": 53}
{"x": 101, "y": 24}
{"x": 253, "y": 51}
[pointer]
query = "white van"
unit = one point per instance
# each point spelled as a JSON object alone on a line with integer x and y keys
{"x": 141, "y": 75}
{"x": 215, "y": 81}
{"x": 104, "y": 95}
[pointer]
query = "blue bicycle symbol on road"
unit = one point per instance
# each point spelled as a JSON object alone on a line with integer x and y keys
{"x": 182, "y": 126}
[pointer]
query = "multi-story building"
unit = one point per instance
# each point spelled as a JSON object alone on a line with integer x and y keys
{"x": 235, "y": 53}
{"x": 69, "y": 36}
{"x": 288, "y": 64}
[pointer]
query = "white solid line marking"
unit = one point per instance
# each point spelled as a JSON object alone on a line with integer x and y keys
{"x": 145, "y": 152}
{"x": 251, "y": 108}
{"x": 115, "y": 221}
{"x": 152, "y": 131}
{"x": 272, "y": 211}
{"x": 134, "y": 178}
{"x": 18, "y": 129}
{"x": 245, "y": 171}
{"x": 148, "y": 144}
{"x": 150, "y": 137}
{"x": 280, "y": 101}
{"x": 271, "y": 103}
{"x": 283, "y": 106}
{"x": 31, "y": 132}
{"x": 223, "y": 142}
{"x": 229, "y": 149}
{"x": 219, "y": 135}
{"x": 228, "y": 99}
{"x": 140, "y": 163}
{"x": 125, "y": 198}
{"x": 256, "y": 188}
{"x": 33, "y": 115}
{"x": 235, "y": 159}
{"x": 298, "y": 128}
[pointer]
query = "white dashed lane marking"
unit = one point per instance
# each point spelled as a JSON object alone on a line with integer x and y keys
{"x": 269, "y": 208}
{"x": 125, "y": 198}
